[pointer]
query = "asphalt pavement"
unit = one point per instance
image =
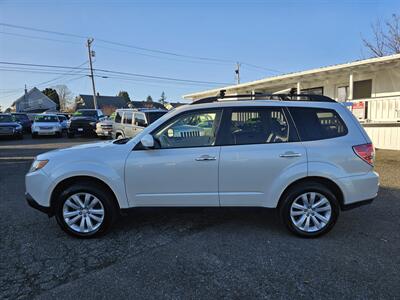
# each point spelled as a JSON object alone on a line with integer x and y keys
{"x": 196, "y": 253}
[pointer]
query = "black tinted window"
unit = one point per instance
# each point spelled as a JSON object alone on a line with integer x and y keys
{"x": 257, "y": 126}
{"x": 128, "y": 118}
{"x": 317, "y": 123}
{"x": 153, "y": 116}
{"x": 118, "y": 117}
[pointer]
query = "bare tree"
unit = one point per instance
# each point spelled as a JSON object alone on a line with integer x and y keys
{"x": 385, "y": 37}
{"x": 65, "y": 96}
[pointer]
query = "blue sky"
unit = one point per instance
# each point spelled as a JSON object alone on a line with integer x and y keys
{"x": 285, "y": 36}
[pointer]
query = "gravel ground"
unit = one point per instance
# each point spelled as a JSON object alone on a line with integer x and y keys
{"x": 198, "y": 252}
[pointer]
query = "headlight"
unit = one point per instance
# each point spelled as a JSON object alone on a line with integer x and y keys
{"x": 92, "y": 123}
{"x": 18, "y": 127}
{"x": 38, "y": 164}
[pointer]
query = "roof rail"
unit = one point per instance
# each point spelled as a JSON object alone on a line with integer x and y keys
{"x": 261, "y": 96}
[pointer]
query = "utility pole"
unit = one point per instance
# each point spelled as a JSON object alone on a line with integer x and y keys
{"x": 237, "y": 73}
{"x": 91, "y": 54}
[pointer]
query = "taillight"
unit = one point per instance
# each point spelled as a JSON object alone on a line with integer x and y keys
{"x": 366, "y": 152}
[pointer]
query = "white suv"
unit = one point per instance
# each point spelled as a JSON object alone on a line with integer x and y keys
{"x": 310, "y": 159}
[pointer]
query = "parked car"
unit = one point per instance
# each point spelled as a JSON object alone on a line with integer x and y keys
{"x": 63, "y": 122}
{"x": 9, "y": 127}
{"x": 83, "y": 122}
{"x": 128, "y": 123}
{"x": 105, "y": 127}
{"x": 46, "y": 124}
{"x": 23, "y": 119}
{"x": 309, "y": 159}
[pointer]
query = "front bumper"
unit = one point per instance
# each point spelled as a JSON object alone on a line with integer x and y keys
{"x": 82, "y": 130}
{"x": 32, "y": 203}
{"x": 102, "y": 132}
{"x": 46, "y": 132}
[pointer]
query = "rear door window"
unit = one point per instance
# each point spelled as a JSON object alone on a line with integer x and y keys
{"x": 258, "y": 125}
{"x": 128, "y": 117}
{"x": 317, "y": 123}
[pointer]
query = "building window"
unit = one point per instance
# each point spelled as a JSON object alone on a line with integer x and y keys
{"x": 313, "y": 91}
{"x": 342, "y": 93}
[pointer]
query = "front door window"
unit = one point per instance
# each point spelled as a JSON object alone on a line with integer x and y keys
{"x": 195, "y": 129}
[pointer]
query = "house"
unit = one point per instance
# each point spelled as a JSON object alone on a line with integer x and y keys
{"x": 108, "y": 104}
{"x": 370, "y": 88}
{"x": 145, "y": 104}
{"x": 33, "y": 101}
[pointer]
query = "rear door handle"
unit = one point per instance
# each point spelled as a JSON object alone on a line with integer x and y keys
{"x": 206, "y": 158}
{"x": 290, "y": 154}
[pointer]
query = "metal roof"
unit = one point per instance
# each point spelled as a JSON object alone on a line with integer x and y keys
{"x": 289, "y": 76}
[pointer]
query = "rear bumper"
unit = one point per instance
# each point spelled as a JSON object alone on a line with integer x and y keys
{"x": 356, "y": 204}
{"x": 32, "y": 203}
{"x": 359, "y": 189}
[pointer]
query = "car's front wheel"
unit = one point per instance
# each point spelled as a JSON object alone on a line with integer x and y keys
{"x": 309, "y": 209}
{"x": 85, "y": 211}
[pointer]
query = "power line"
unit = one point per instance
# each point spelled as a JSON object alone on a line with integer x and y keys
{"x": 42, "y": 30}
{"x": 158, "y": 51}
{"x": 38, "y": 38}
{"x": 112, "y": 72}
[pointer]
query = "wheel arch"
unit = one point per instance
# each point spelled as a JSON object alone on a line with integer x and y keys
{"x": 329, "y": 183}
{"x": 63, "y": 184}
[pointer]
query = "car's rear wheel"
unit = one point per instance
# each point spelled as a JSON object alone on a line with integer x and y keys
{"x": 309, "y": 209}
{"x": 85, "y": 211}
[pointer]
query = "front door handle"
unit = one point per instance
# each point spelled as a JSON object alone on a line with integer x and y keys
{"x": 206, "y": 158}
{"x": 290, "y": 154}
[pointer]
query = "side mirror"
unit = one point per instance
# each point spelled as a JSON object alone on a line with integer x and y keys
{"x": 147, "y": 141}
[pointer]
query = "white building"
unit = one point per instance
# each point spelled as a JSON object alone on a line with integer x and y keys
{"x": 370, "y": 88}
{"x": 33, "y": 101}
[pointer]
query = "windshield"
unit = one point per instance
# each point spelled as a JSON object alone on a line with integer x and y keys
{"x": 21, "y": 117}
{"x": 6, "y": 119}
{"x": 46, "y": 118}
{"x": 85, "y": 113}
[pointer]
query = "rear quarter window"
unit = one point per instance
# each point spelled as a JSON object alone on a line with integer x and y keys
{"x": 317, "y": 123}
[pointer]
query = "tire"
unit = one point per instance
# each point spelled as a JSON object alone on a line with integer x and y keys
{"x": 70, "y": 135}
{"x": 325, "y": 214}
{"x": 34, "y": 136}
{"x": 21, "y": 136}
{"x": 59, "y": 134}
{"x": 106, "y": 204}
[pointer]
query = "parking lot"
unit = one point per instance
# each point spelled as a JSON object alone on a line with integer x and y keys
{"x": 207, "y": 253}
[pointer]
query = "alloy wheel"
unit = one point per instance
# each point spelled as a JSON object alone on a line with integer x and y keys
{"x": 310, "y": 212}
{"x": 83, "y": 212}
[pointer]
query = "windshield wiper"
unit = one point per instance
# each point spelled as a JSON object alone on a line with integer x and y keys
{"x": 121, "y": 141}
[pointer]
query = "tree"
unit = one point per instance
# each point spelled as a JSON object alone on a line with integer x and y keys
{"x": 163, "y": 98}
{"x": 64, "y": 95}
{"x": 125, "y": 95}
{"x": 149, "y": 99}
{"x": 53, "y": 95}
{"x": 385, "y": 38}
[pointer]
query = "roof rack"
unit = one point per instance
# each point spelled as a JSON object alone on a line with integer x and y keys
{"x": 262, "y": 96}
